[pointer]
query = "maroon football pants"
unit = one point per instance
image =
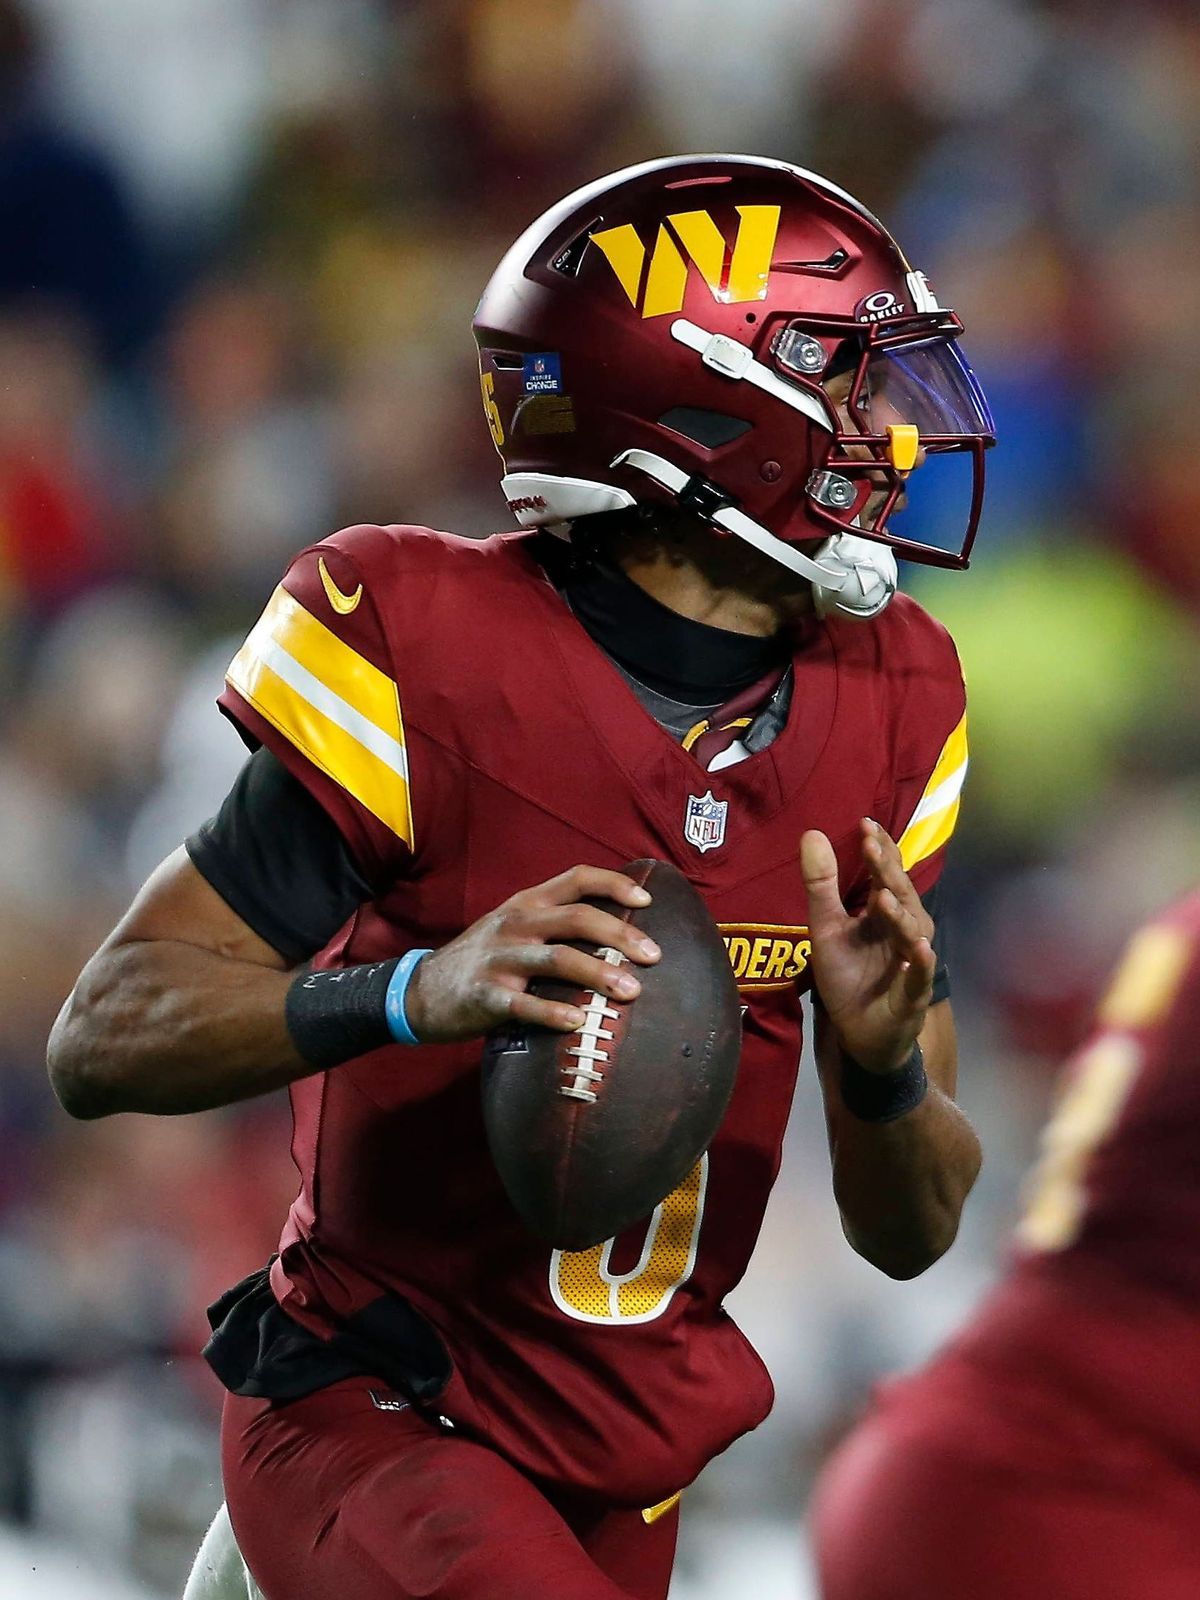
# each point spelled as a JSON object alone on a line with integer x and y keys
{"x": 941, "y": 1493}
{"x": 333, "y": 1498}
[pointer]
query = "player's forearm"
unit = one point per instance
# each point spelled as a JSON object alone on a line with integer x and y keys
{"x": 900, "y": 1186}
{"x": 164, "y": 1027}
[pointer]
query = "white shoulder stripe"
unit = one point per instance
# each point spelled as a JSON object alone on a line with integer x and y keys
{"x": 938, "y": 799}
{"x": 323, "y": 699}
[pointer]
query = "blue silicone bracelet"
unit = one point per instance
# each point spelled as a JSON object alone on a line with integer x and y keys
{"x": 393, "y": 1005}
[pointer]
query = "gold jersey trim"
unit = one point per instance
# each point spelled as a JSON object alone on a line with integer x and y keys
{"x": 933, "y": 821}
{"x": 652, "y": 1513}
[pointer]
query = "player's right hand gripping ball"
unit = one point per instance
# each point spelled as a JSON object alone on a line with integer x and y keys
{"x": 590, "y": 1130}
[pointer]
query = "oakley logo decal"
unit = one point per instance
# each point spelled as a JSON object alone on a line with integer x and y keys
{"x": 879, "y": 306}
{"x": 732, "y": 277}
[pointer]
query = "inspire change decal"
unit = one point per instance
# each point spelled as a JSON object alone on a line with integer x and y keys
{"x": 542, "y": 373}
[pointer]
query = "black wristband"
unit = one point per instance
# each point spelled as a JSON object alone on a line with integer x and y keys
{"x": 883, "y": 1096}
{"x": 335, "y": 1016}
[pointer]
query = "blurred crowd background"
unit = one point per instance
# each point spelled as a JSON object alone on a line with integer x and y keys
{"x": 240, "y": 246}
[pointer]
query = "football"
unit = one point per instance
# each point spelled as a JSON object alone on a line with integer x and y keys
{"x": 591, "y": 1130}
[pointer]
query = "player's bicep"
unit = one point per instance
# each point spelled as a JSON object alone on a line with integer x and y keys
{"x": 177, "y": 904}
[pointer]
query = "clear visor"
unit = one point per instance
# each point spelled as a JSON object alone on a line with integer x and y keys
{"x": 928, "y": 385}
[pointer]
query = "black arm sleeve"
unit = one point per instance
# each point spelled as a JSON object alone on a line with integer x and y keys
{"x": 277, "y": 859}
{"x": 934, "y": 904}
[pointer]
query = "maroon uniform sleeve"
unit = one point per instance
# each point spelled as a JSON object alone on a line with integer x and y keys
{"x": 930, "y": 761}
{"x": 314, "y": 682}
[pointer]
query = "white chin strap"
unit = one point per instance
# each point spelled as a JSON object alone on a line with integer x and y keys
{"x": 850, "y": 576}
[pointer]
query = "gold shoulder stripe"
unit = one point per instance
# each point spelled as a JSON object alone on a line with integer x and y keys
{"x": 932, "y": 823}
{"x": 331, "y": 703}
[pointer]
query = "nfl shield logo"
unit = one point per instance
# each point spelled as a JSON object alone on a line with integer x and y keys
{"x": 704, "y": 821}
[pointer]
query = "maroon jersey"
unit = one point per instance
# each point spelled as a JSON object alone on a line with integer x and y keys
{"x": 469, "y": 739}
{"x": 1102, "y": 1306}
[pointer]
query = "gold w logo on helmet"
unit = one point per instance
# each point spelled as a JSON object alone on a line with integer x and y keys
{"x": 694, "y": 236}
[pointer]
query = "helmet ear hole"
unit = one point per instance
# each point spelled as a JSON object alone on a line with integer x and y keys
{"x": 844, "y": 358}
{"x": 709, "y": 429}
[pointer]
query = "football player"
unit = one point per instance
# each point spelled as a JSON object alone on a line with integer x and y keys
{"x": 1052, "y": 1448}
{"x": 712, "y": 382}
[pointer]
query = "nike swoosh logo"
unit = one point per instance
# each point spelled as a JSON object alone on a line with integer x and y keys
{"x": 343, "y": 604}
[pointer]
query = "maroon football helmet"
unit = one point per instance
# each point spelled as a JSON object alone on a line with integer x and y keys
{"x": 740, "y": 337}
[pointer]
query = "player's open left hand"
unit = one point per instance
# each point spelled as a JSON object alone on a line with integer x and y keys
{"x": 478, "y": 980}
{"x": 874, "y": 971}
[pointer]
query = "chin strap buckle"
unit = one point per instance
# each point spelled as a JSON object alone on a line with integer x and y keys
{"x": 727, "y": 356}
{"x": 702, "y": 498}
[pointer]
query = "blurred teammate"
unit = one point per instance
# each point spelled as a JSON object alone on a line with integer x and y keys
{"x": 1054, "y": 1447}
{"x": 711, "y": 382}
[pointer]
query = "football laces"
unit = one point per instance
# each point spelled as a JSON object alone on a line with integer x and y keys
{"x": 589, "y": 1052}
